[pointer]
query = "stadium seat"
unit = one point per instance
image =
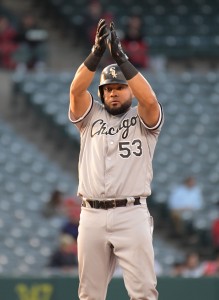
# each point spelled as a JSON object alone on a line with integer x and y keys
{"x": 26, "y": 181}
{"x": 187, "y": 145}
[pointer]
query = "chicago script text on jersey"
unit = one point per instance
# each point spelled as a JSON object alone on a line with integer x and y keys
{"x": 100, "y": 127}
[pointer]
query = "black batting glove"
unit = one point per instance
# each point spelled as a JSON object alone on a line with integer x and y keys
{"x": 115, "y": 47}
{"x": 100, "y": 39}
{"x": 99, "y": 47}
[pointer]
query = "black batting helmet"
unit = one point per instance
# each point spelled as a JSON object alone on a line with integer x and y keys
{"x": 110, "y": 74}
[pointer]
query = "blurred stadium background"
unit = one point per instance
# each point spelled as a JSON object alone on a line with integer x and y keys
{"x": 39, "y": 147}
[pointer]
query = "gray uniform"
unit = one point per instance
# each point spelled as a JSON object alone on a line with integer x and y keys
{"x": 115, "y": 162}
{"x": 115, "y": 152}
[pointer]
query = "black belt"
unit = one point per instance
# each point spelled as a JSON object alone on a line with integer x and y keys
{"x": 106, "y": 204}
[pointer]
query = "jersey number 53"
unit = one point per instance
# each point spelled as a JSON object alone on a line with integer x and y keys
{"x": 128, "y": 148}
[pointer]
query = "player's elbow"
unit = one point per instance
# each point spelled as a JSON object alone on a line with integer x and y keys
{"x": 75, "y": 90}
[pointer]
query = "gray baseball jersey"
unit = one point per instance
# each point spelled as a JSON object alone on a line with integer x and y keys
{"x": 116, "y": 153}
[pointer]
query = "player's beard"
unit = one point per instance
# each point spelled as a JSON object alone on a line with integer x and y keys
{"x": 118, "y": 110}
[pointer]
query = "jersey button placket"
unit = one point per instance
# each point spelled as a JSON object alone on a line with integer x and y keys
{"x": 109, "y": 163}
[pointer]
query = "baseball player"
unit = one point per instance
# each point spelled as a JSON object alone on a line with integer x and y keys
{"x": 115, "y": 172}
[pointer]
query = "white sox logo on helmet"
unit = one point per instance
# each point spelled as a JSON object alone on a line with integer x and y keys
{"x": 113, "y": 72}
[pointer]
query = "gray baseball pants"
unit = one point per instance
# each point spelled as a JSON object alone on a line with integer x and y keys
{"x": 120, "y": 235}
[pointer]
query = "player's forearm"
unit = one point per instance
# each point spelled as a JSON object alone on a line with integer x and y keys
{"x": 81, "y": 81}
{"x": 148, "y": 106}
{"x": 79, "y": 95}
{"x": 142, "y": 90}
{"x": 139, "y": 85}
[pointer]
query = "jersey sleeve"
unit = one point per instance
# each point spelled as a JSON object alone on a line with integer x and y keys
{"x": 86, "y": 118}
{"x": 159, "y": 124}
